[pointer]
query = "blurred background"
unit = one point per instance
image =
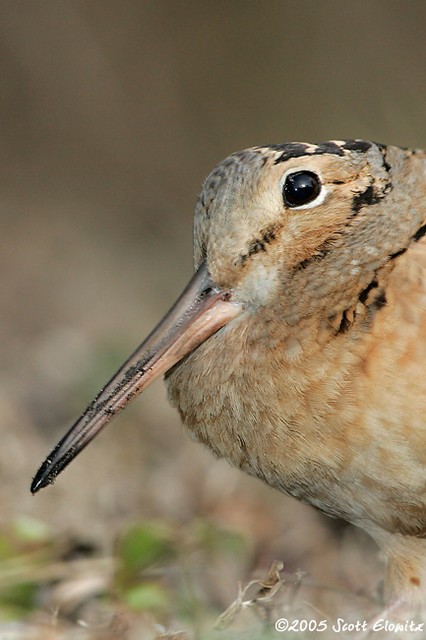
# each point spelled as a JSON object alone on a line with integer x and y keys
{"x": 111, "y": 115}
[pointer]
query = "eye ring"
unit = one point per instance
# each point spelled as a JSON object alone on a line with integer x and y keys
{"x": 301, "y": 188}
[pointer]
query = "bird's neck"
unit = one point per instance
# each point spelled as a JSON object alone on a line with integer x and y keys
{"x": 259, "y": 382}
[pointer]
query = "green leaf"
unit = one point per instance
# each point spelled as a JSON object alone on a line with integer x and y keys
{"x": 19, "y": 598}
{"x": 142, "y": 546}
{"x": 7, "y": 549}
{"x": 215, "y": 539}
{"x": 31, "y": 530}
{"x": 146, "y": 596}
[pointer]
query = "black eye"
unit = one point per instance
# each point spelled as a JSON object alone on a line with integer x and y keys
{"x": 301, "y": 188}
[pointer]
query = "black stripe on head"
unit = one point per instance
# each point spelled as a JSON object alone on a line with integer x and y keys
{"x": 365, "y": 292}
{"x": 373, "y": 193}
{"x": 357, "y": 145}
{"x": 320, "y": 253}
{"x": 367, "y": 197}
{"x": 290, "y": 150}
{"x": 373, "y": 296}
{"x": 300, "y": 149}
{"x": 419, "y": 233}
{"x": 383, "y": 148}
{"x": 267, "y": 236}
{"x": 329, "y": 147}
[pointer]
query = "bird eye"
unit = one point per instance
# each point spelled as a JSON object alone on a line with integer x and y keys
{"x": 301, "y": 187}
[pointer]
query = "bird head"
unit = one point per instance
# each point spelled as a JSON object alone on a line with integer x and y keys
{"x": 295, "y": 225}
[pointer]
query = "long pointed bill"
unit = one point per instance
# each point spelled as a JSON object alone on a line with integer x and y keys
{"x": 200, "y": 311}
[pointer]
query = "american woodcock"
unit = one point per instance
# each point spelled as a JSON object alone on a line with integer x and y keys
{"x": 298, "y": 349}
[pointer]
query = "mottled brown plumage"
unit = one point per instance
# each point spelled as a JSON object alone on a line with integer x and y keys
{"x": 309, "y": 371}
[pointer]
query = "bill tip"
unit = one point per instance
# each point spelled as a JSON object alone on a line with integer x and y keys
{"x": 43, "y": 477}
{"x": 38, "y": 483}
